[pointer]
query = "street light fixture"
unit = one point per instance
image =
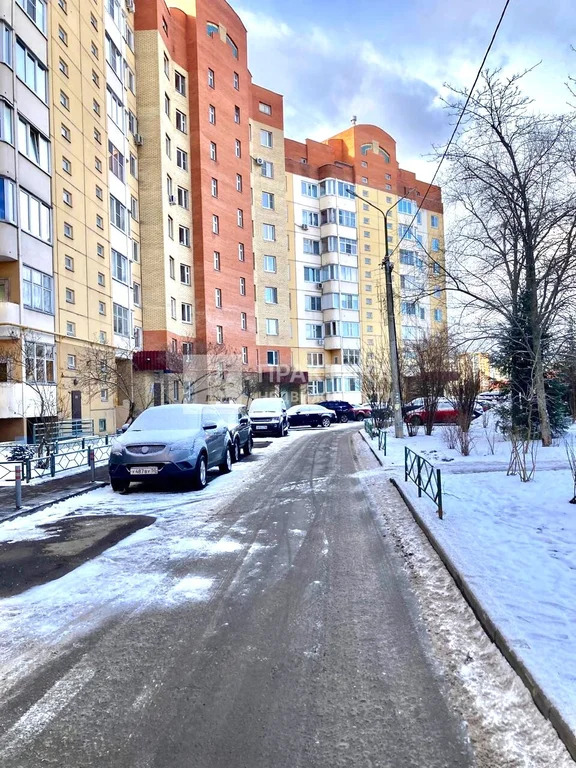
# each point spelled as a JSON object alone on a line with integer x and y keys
{"x": 392, "y": 339}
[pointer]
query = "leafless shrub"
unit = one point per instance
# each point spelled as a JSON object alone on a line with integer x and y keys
{"x": 490, "y": 433}
{"x": 430, "y": 364}
{"x": 464, "y": 391}
{"x": 523, "y": 456}
{"x": 450, "y": 435}
{"x": 465, "y": 441}
{"x": 412, "y": 429}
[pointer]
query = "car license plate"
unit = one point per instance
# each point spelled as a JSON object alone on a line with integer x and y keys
{"x": 143, "y": 470}
{"x": 263, "y": 426}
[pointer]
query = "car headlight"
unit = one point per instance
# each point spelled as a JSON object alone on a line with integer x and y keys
{"x": 180, "y": 446}
{"x": 116, "y": 449}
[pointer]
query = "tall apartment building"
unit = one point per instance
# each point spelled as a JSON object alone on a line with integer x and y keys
{"x": 152, "y": 211}
{"x": 27, "y": 293}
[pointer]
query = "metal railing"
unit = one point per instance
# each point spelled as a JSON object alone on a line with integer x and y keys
{"x": 427, "y": 478}
{"x": 380, "y": 434}
{"x": 51, "y": 465}
{"x": 51, "y": 431}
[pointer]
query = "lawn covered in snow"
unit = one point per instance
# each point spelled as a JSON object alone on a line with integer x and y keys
{"x": 515, "y": 545}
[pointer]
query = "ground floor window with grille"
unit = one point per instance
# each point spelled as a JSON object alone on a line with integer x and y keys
{"x": 40, "y": 362}
{"x": 121, "y": 320}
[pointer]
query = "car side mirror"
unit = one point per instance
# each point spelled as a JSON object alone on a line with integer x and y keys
{"x": 124, "y": 428}
{"x": 244, "y": 420}
{"x": 210, "y": 425}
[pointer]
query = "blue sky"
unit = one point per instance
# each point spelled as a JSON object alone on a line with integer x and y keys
{"x": 387, "y": 62}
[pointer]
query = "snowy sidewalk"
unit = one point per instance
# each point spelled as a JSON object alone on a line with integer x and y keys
{"x": 513, "y": 546}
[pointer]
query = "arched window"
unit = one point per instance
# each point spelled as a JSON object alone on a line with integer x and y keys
{"x": 212, "y": 29}
{"x": 365, "y": 148}
{"x": 233, "y": 46}
{"x": 384, "y": 154}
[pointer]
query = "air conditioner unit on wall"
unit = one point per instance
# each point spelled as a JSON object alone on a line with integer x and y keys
{"x": 259, "y": 160}
{"x": 138, "y": 139}
{"x": 319, "y": 286}
{"x": 130, "y": 5}
{"x": 304, "y": 226}
{"x": 171, "y": 199}
{"x": 320, "y": 342}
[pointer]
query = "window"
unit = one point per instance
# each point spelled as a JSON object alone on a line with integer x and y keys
{"x": 185, "y": 274}
{"x": 35, "y": 216}
{"x": 313, "y": 303}
{"x": 271, "y": 326}
{"x": 28, "y": 68}
{"x": 310, "y": 219}
{"x": 64, "y": 100}
{"x": 166, "y": 105}
{"x": 38, "y": 291}
{"x": 97, "y": 136}
{"x": 219, "y": 334}
{"x": 63, "y": 67}
{"x": 36, "y": 10}
{"x": 265, "y": 138}
{"x": 183, "y": 198}
{"x": 186, "y": 312}
{"x": 312, "y": 274}
{"x": 100, "y": 250}
{"x": 182, "y": 159}
{"x": 438, "y": 315}
{"x": 70, "y": 298}
{"x": 268, "y": 200}
{"x": 132, "y": 122}
{"x": 245, "y": 355}
{"x": 435, "y": 245}
{"x": 135, "y": 250}
{"x": 133, "y": 165}
{"x": 119, "y": 267}
{"x": 309, "y": 189}
{"x": 102, "y": 337}
{"x": 115, "y": 108}
{"x": 241, "y": 252}
{"x": 173, "y": 308}
{"x": 97, "y": 165}
{"x": 116, "y": 162}
{"x": 240, "y": 217}
{"x": 181, "y": 121}
{"x": 216, "y": 258}
{"x": 236, "y": 81}
{"x": 69, "y": 263}
{"x": 184, "y": 236}
{"x": 265, "y": 108}
{"x": 118, "y": 214}
{"x": 236, "y": 114}
{"x": 242, "y": 286}
{"x": 218, "y": 297}
{"x": 130, "y": 80}
{"x": 40, "y": 362}
{"x": 237, "y": 147}
{"x": 211, "y": 78}
{"x": 180, "y": 83}
{"x": 212, "y": 114}
{"x": 33, "y": 144}
{"x": 213, "y": 151}
{"x": 166, "y": 66}
{"x": 101, "y": 279}
{"x": 315, "y": 359}
{"x": 311, "y": 246}
{"x": 101, "y": 308}
{"x": 99, "y": 222}
{"x": 407, "y": 257}
{"x": 269, "y": 263}
{"x": 215, "y": 224}
{"x": 121, "y": 320}
{"x": 346, "y": 245}
{"x": 350, "y": 330}
{"x": 168, "y": 146}
{"x": 71, "y": 362}
{"x": 268, "y": 169}
{"x": 113, "y": 56}
{"x": 348, "y": 219}
{"x": 94, "y": 49}
{"x": 243, "y": 321}
{"x": 64, "y": 132}
{"x": 434, "y": 221}
{"x": 268, "y": 232}
{"x": 272, "y": 357}
{"x": 104, "y": 395}
{"x": 313, "y": 331}
{"x": 271, "y": 295}
{"x": 232, "y": 45}
{"x": 408, "y": 308}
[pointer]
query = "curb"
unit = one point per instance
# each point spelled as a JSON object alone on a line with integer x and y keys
{"x": 546, "y": 707}
{"x": 39, "y": 507}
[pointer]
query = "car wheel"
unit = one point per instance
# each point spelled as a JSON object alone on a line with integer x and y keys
{"x": 199, "y": 479}
{"x": 285, "y": 430}
{"x": 416, "y": 421}
{"x": 226, "y": 465}
{"x": 236, "y": 451}
{"x": 249, "y": 447}
{"x": 326, "y": 421}
{"x": 360, "y": 417}
{"x": 343, "y": 418}
{"x": 119, "y": 486}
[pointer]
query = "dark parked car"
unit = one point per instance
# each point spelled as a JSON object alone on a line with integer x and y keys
{"x": 171, "y": 442}
{"x": 344, "y": 411}
{"x": 240, "y": 428}
{"x": 310, "y": 416}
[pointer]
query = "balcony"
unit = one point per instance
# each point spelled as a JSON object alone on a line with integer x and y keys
{"x": 333, "y": 342}
{"x": 9, "y": 318}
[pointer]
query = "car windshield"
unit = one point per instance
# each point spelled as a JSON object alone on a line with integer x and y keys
{"x": 174, "y": 417}
{"x": 266, "y": 404}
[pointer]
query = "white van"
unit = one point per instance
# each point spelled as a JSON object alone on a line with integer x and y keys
{"x": 268, "y": 416}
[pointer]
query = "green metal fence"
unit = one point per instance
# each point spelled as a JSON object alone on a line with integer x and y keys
{"x": 427, "y": 478}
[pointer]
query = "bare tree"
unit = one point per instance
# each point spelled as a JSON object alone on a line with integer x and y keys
{"x": 430, "y": 366}
{"x": 511, "y": 178}
{"x": 101, "y": 367}
{"x": 463, "y": 392}
{"x": 373, "y": 370}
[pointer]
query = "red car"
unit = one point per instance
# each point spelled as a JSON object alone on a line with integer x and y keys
{"x": 362, "y": 412}
{"x": 446, "y": 413}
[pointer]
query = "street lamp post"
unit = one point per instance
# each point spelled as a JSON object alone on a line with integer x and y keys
{"x": 392, "y": 340}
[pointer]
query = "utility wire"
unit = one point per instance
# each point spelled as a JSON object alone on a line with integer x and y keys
{"x": 436, "y": 172}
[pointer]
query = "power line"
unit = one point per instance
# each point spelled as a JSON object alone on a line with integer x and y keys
{"x": 436, "y": 172}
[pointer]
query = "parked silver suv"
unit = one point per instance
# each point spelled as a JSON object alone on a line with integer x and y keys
{"x": 268, "y": 416}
